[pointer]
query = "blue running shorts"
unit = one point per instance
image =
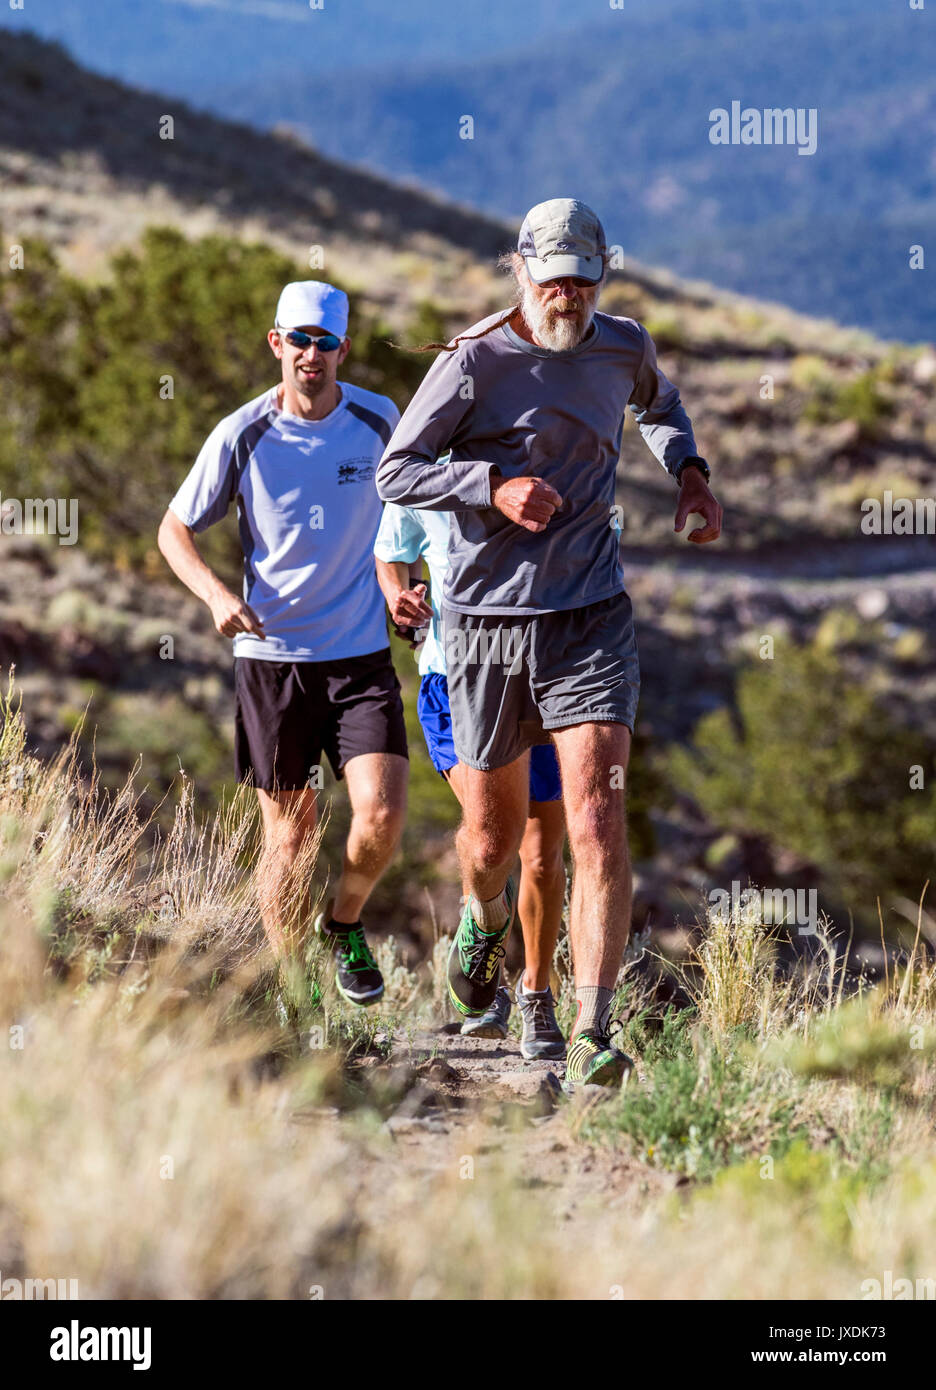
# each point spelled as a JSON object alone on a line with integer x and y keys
{"x": 435, "y": 717}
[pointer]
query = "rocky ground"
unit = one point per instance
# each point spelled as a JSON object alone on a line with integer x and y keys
{"x": 472, "y": 1108}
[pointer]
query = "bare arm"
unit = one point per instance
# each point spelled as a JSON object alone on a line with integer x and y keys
{"x": 231, "y": 614}
{"x": 406, "y": 601}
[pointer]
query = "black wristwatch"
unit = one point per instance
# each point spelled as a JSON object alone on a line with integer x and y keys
{"x": 693, "y": 461}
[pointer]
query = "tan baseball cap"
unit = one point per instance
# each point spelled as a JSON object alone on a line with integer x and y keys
{"x": 562, "y": 237}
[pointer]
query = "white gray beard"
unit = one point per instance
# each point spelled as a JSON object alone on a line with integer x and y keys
{"x": 559, "y": 335}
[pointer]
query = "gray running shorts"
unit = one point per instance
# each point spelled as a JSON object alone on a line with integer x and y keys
{"x": 512, "y": 680}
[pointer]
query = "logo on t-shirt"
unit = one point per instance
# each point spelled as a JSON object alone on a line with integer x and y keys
{"x": 358, "y": 470}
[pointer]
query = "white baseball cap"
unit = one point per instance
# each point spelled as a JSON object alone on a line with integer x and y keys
{"x": 562, "y": 237}
{"x": 313, "y": 303}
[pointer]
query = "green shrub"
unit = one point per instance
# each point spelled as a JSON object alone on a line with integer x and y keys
{"x": 668, "y": 332}
{"x": 806, "y": 1183}
{"x": 700, "y": 1111}
{"x": 810, "y": 760}
{"x": 860, "y": 400}
{"x": 179, "y": 315}
{"x": 861, "y": 1043}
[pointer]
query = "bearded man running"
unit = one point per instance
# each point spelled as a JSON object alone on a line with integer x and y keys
{"x": 538, "y": 627}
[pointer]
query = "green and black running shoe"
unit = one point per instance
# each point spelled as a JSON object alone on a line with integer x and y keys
{"x": 592, "y": 1061}
{"x": 356, "y": 973}
{"x": 474, "y": 960}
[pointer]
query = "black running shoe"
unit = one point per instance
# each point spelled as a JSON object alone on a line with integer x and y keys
{"x": 356, "y": 974}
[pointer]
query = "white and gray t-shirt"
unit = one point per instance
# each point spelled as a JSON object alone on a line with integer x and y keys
{"x": 308, "y": 512}
{"x": 501, "y": 402}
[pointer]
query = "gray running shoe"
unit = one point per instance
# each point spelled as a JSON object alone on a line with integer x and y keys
{"x": 493, "y": 1022}
{"x": 541, "y": 1036}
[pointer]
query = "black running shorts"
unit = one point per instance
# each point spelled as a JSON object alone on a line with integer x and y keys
{"x": 287, "y": 713}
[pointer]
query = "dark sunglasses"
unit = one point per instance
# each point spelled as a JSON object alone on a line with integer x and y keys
{"x": 325, "y": 342}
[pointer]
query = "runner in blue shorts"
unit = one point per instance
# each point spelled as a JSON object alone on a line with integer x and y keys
{"x": 406, "y": 537}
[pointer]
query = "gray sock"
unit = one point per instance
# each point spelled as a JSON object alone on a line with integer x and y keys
{"x": 594, "y": 1009}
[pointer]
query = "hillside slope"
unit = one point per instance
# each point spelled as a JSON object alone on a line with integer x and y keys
{"x": 802, "y": 422}
{"x": 83, "y": 165}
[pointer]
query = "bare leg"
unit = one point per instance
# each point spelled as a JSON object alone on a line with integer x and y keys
{"x": 289, "y": 825}
{"x": 593, "y": 761}
{"x": 542, "y": 881}
{"x": 377, "y": 789}
{"x": 542, "y": 886}
{"x": 495, "y": 809}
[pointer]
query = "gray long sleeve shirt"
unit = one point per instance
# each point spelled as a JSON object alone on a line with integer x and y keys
{"x": 500, "y": 403}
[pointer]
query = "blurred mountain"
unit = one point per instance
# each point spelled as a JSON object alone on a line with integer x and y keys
{"x": 612, "y": 105}
{"x": 621, "y": 118}
{"x": 185, "y": 46}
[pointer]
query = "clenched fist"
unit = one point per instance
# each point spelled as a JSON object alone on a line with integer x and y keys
{"x": 410, "y": 609}
{"x": 530, "y": 502}
{"x": 232, "y": 615}
{"x": 695, "y": 499}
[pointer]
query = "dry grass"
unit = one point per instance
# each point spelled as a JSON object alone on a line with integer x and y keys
{"x": 153, "y": 1146}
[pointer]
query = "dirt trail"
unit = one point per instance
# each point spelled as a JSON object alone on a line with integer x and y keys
{"x": 468, "y": 1098}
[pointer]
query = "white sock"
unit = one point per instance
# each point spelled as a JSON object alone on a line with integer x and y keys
{"x": 492, "y": 915}
{"x": 524, "y": 990}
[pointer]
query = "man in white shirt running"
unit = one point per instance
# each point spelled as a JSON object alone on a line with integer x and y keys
{"x": 312, "y": 667}
{"x": 406, "y": 537}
